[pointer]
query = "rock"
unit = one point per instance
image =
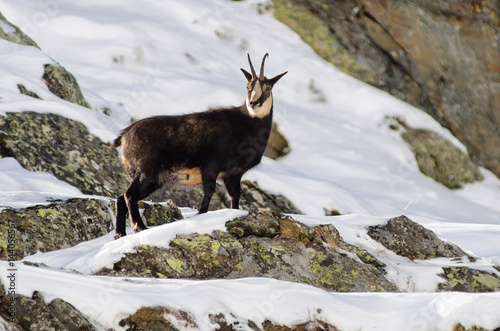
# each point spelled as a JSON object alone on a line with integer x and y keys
{"x": 439, "y": 55}
{"x": 157, "y": 214}
{"x": 286, "y": 250}
{"x": 464, "y": 279}
{"x": 10, "y": 32}
{"x": 25, "y": 91}
{"x": 252, "y": 198}
{"x": 63, "y": 84}
{"x": 34, "y": 314}
{"x": 64, "y": 224}
{"x": 411, "y": 240}
{"x": 55, "y": 226}
{"x": 439, "y": 159}
{"x": 277, "y": 146}
{"x": 158, "y": 318}
{"x": 64, "y": 148}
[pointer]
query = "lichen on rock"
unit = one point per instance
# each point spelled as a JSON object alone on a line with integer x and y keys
{"x": 34, "y": 314}
{"x": 12, "y": 33}
{"x": 64, "y": 148}
{"x": 262, "y": 244}
{"x": 465, "y": 279}
{"x": 438, "y": 158}
{"x": 412, "y": 240}
{"x": 63, "y": 84}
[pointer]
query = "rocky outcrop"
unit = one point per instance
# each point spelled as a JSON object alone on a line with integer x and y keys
{"x": 63, "y": 84}
{"x": 409, "y": 239}
{"x": 34, "y": 314}
{"x": 64, "y": 224}
{"x": 262, "y": 244}
{"x": 252, "y": 198}
{"x": 64, "y": 148}
{"x": 438, "y": 158}
{"x": 10, "y": 32}
{"x": 161, "y": 318}
{"x": 441, "y": 56}
{"x": 464, "y": 279}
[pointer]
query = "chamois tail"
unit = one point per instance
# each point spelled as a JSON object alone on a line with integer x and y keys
{"x": 117, "y": 143}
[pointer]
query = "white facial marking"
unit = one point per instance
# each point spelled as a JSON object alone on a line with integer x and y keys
{"x": 260, "y": 111}
{"x": 256, "y": 92}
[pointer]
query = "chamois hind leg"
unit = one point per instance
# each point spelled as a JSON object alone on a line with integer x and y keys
{"x": 208, "y": 177}
{"x": 233, "y": 187}
{"x": 121, "y": 216}
{"x": 138, "y": 190}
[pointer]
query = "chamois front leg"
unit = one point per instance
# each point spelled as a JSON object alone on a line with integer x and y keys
{"x": 121, "y": 217}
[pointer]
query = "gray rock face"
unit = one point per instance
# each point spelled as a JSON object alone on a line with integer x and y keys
{"x": 12, "y": 33}
{"x": 63, "y": 84}
{"x": 65, "y": 224}
{"x": 441, "y": 56}
{"x": 252, "y": 198}
{"x": 409, "y": 239}
{"x": 463, "y": 279}
{"x": 34, "y": 314}
{"x": 262, "y": 244}
{"x": 64, "y": 148}
{"x": 438, "y": 158}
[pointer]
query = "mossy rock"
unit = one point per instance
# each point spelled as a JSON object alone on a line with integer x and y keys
{"x": 64, "y": 148}
{"x": 34, "y": 314}
{"x": 158, "y": 318}
{"x": 277, "y": 146}
{"x": 438, "y": 158}
{"x": 252, "y": 198}
{"x": 63, "y": 84}
{"x": 464, "y": 279}
{"x": 411, "y": 240}
{"x": 14, "y": 34}
{"x": 49, "y": 227}
{"x": 276, "y": 247}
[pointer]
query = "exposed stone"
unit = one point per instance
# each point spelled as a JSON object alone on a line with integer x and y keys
{"x": 438, "y": 158}
{"x": 277, "y": 146}
{"x": 158, "y": 318}
{"x": 464, "y": 279}
{"x": 441, "y": 56}
{"x": 64, "y": 148}
{"x": 288, "y": 250}
{"x": 64, "y": 224}
{"x": 252, "y": 198}
{"x": 55, "y": 226}
{"x": 10, "y": 32}
{"x": 34, "y": 314}
{"x": 63, "y": 84}
{"x": 25, "y": 91}
{"x": 410, "y": 239}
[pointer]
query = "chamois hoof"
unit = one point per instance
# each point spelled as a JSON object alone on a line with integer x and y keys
{"x": 119, "y": 235}
{"x": 139, "y": 228}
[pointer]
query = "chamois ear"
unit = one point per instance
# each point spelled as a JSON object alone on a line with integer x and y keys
{"x": 276, "y": 78}
{"x": 247, "y": 74}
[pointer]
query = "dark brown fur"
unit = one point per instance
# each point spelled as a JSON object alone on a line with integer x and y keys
{"x": 187, "y": 149}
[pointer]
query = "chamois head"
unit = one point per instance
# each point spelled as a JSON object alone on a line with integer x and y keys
{"x": 259, "y": 101}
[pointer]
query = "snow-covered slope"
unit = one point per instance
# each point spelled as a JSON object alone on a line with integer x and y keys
{"x": 169, "y": 57}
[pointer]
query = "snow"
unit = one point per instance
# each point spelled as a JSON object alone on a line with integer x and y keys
{"x": 173, "y": 57}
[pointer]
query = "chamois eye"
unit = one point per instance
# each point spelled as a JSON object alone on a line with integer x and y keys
{"x": 268, "y": 88}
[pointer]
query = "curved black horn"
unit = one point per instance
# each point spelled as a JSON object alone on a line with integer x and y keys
{"x": 254, "y": 75}
{"x": 262, "y": 65}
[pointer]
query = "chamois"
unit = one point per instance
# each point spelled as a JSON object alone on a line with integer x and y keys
{"x": 197, "y": 148}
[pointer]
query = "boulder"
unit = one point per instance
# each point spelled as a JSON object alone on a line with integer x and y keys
{"x": 438, "y": 158}
{"x": 10, "y": 32}
{"x": 64, "y": 224}
{"x": 262, "y": 244}
{"x": 252, "y": 198}
{"x": 277, "y": 146}
{"x": 463, "y": 279}
{"x": 412, "y": 240}
{"x": 63, "y": 84}
{"x": 34, "y": 314}
{"x": 441, "y": 56}
{"x": 64, "y": 148}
